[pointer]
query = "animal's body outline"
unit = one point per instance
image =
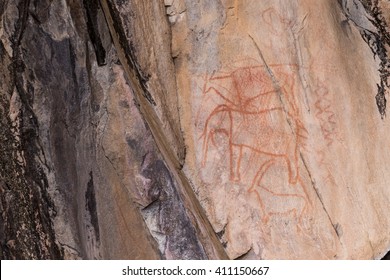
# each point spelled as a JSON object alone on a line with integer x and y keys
{"x": 241, "y": 103}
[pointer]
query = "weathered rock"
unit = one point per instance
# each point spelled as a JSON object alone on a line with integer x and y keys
{"x": 80, "y": 172}
{"x": 194, "y": 129}
{"x": 283, "y": 104}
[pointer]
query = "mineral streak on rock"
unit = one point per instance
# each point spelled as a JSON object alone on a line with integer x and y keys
{"x": 205, "y": 129}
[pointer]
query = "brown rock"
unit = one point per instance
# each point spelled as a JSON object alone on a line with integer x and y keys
{"x": 283, "y": 109}
{"x": 194, "y": 129}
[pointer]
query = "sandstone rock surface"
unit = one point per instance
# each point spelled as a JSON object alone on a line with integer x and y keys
{"x": 205, "y": 129}
{"x": 283, "y": 104}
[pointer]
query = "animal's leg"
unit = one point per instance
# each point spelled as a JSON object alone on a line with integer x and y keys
{"x": 292, "y": 162}
{"x": 235, "y": 162}
{"x": 205, "y": 147}
{"x": 265, "y": 216}
{"x": 260, "y": 174}
{"x": 296, "y": 141}
{"x": 257, "y": 181}
{"x": 305, "y": 206}
{"x": 300, "y": 214}
{"x": 307, "y": 198}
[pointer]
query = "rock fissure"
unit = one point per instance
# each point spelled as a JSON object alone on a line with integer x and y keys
{"x": 128, "y": 49}
{"x": 92, "y": 8}
{"x": 208, "y": 237}
{"x": 276, "y": 86}
{"x": 318, "y": 194}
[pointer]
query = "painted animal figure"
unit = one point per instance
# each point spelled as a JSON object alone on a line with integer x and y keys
{"x": 253, "y": 115}
{"x": 259, "y": 120}
{"x": 263, "y": 132}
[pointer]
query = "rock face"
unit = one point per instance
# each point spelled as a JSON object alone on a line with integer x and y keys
{"x": 194, "y": 129}
{"x": 81, "y": 176}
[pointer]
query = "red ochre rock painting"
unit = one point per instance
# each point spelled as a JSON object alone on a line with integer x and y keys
{"x": 259, "y": 119}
